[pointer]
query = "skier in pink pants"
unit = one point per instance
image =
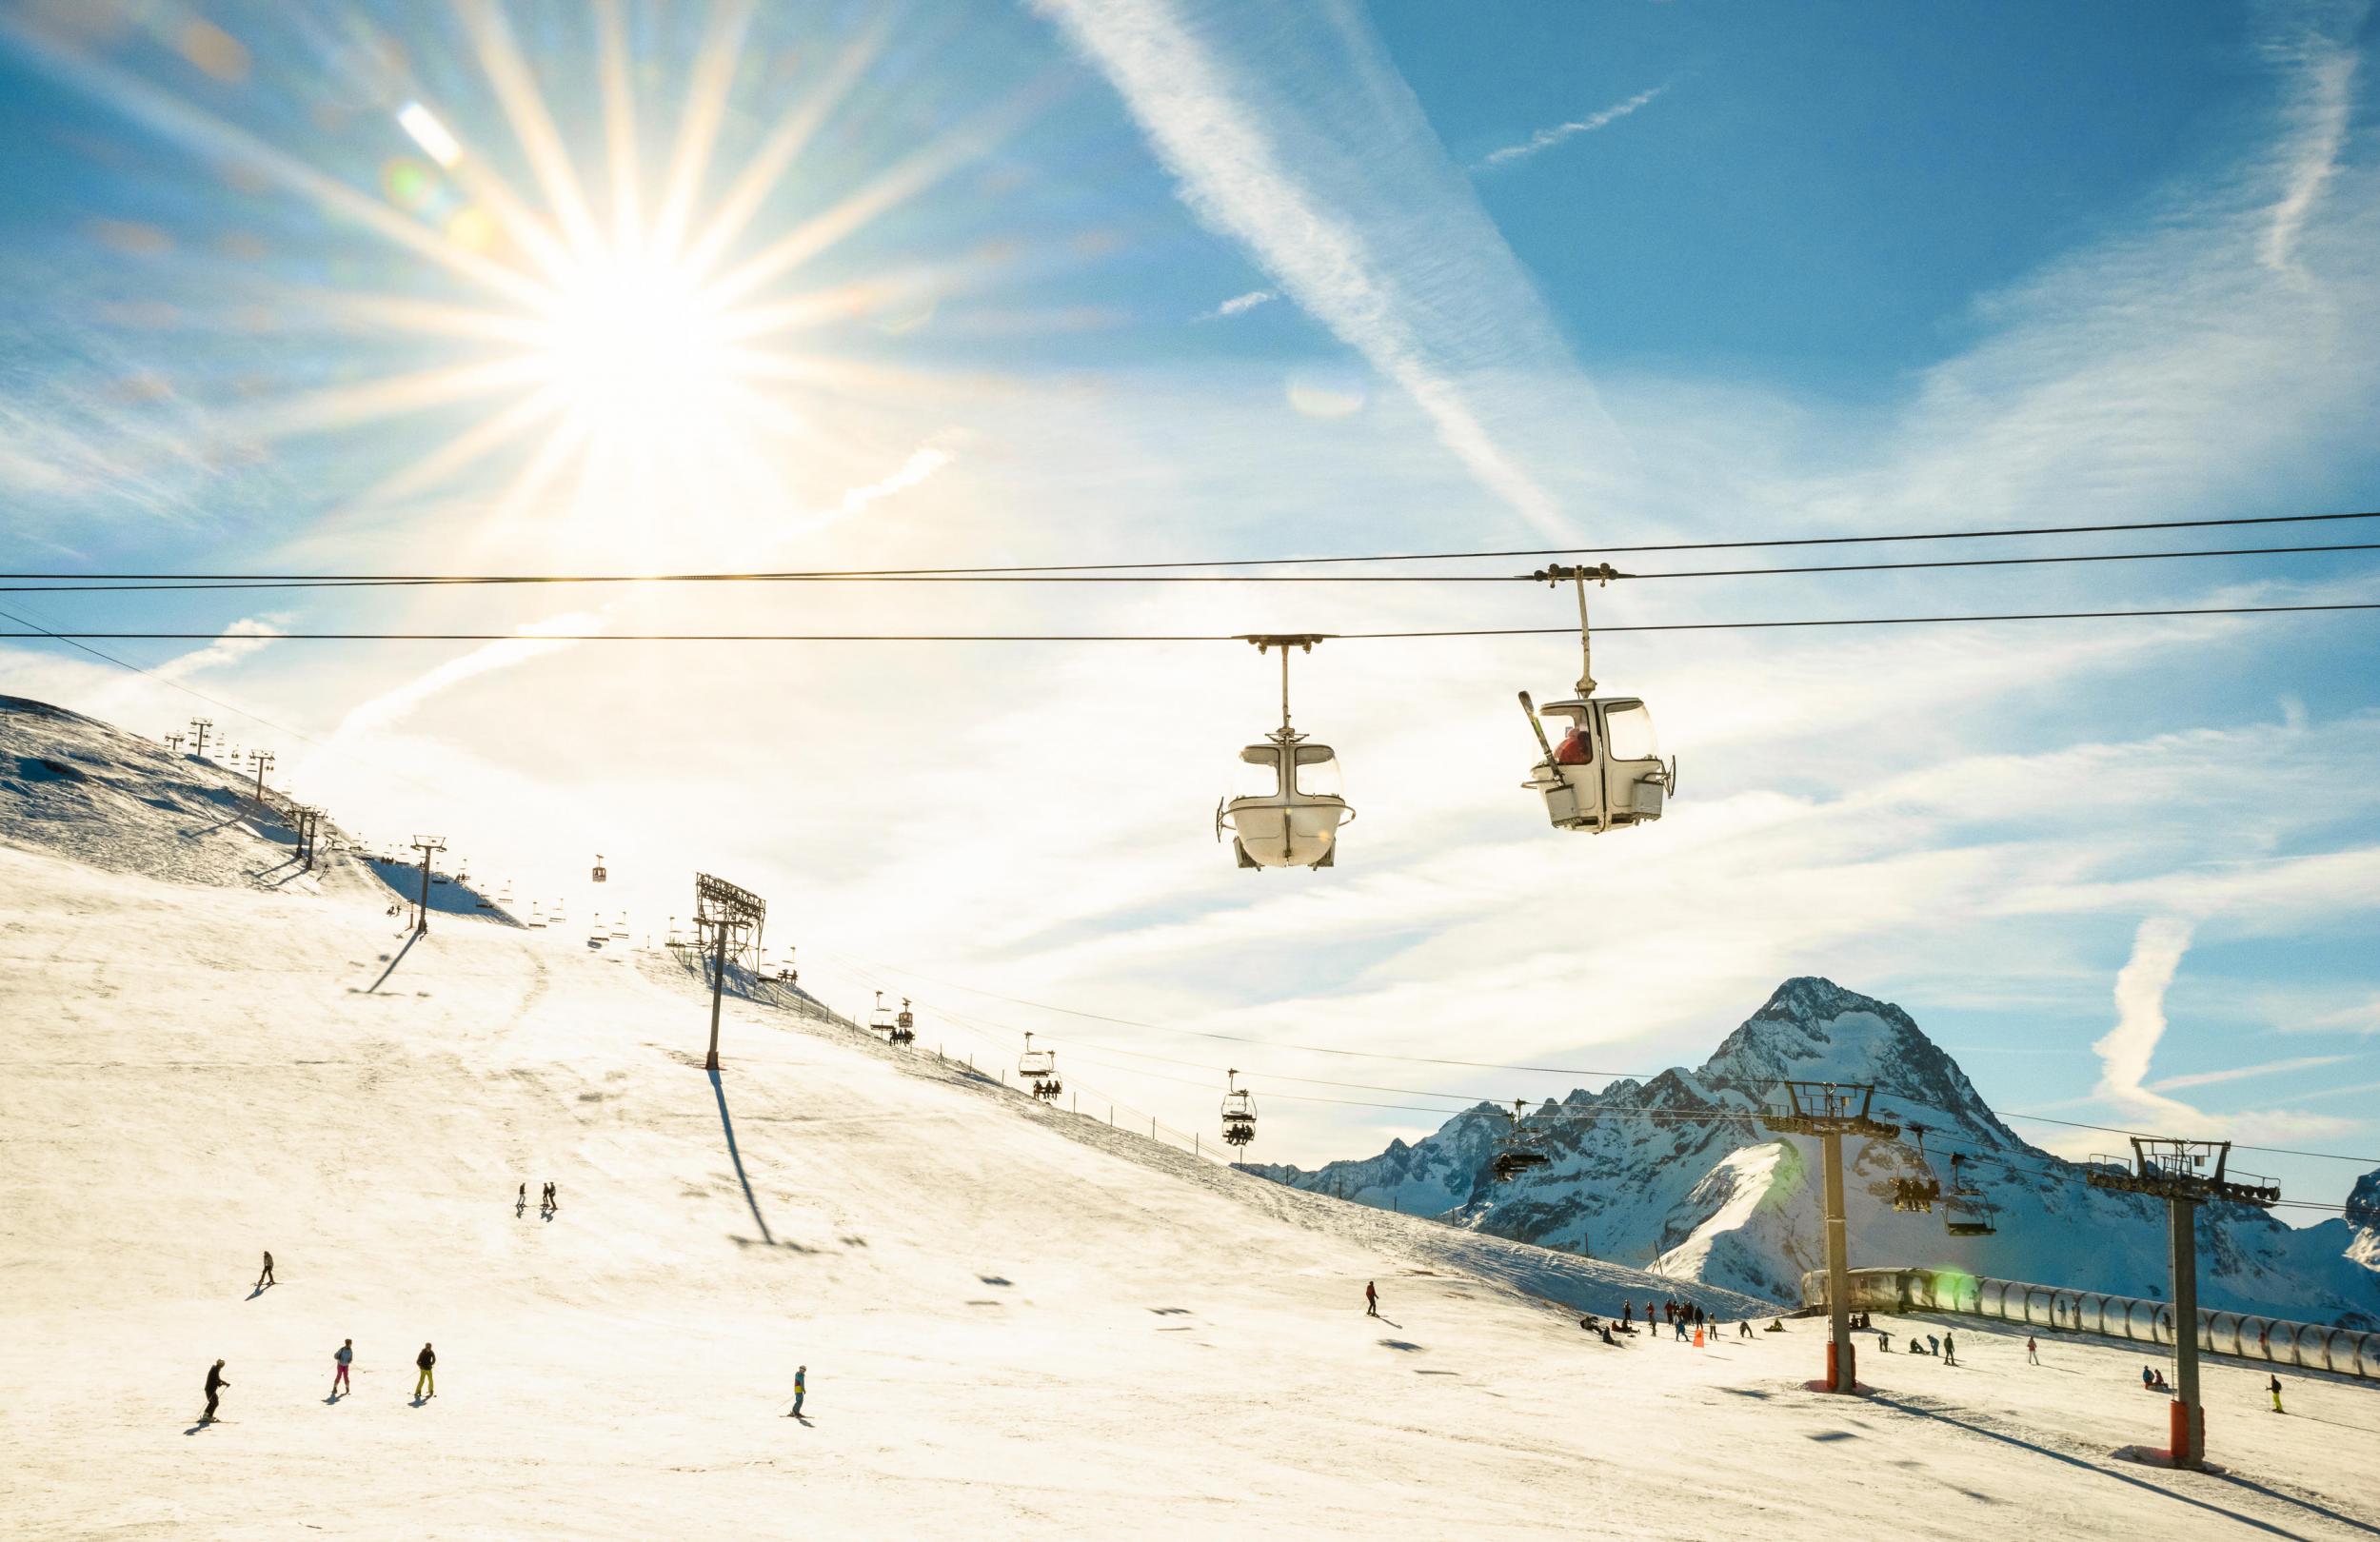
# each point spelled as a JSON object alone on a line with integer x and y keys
{"x": 339, "y": 1377}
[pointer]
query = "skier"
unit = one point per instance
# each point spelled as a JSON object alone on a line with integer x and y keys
{"x": 1677, "y": 1327}
{"x": 1883, "y": 1341}
{"x": 801, "y": 1385}
{"x": 427, "y": 1360}
{"x": 2033, "y": 1350}
{"x": 1934, "y": 1346}
{"x": 265, "y": 1279}
{"x": 524, "y": 1203}
{"x": 1371, "y": 1301}
{"x": 339, "y": 1377}
{"x": 2275, "y": 1386}
{"x": 1627, "y": 1316}
{"x": 1950, "y": 1349}
{"x": 214, "y": 1387}
{"x": 1743, "y": 1329}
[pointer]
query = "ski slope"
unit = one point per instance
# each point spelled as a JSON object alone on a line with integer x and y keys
{"x": 1016, "y": 1320}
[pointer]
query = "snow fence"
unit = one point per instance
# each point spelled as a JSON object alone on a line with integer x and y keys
{"x": 2309, "y": 1346}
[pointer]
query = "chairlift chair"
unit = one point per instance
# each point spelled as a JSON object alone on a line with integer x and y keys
{"x": 1916, "y": 1195}
{"x": 881, "y": 1020}
{"x": 1520, "y": 1153}
{"x": 1607, "y": 773}
{"x": 600, "y": 876}
{"x": 1238, "y": 1112}
{"x": 905, "y": 1024}
{"x": 1965, "y": 1212}
{"x": 1038, "y": 1069}
{"x": 1285, "y": 807}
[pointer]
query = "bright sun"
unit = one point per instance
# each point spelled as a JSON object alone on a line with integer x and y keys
{"x": 633, "y": 345}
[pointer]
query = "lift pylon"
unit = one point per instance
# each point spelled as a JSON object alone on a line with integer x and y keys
{"x": 2184, "y": 1174}
{"x": 1831, "y": 1111}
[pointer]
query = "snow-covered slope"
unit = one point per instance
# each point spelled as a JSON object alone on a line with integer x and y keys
{"x": 1015, "y": 1320}
{"x": 1672, "y": 1173}
{"x": 86, "y": 789}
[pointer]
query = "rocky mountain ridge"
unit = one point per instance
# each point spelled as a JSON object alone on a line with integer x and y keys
{"x": 1678, "y": 1174}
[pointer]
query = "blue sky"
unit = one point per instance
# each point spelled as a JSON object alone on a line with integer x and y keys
{"x": 1149, "y": 279}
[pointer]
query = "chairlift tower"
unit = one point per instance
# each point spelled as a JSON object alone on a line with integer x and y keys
{"x": 262, "y": 761}
{"x": 725, "y": 910}
{"x": 1831, "y": 1111}
{"x": 2184, "y": 1174}
{"x": 428, "y": 846}
{"x": 199, "y": 726}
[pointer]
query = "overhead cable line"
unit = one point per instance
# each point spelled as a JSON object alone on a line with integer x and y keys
{"x": 1256, "y": 562}
{"x": 63, "y": 584}
{"x": 1210, "y": 636}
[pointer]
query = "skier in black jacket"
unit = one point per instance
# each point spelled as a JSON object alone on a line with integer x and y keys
{"x": 214, "y": 1386}
{"x": 426, "y": 1360}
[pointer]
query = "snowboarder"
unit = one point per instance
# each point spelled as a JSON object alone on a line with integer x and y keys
{"x": 265, "y": 1279}
{"x": 1950, "y": 1349}
{"x": 1371, "y": 1301}
{"x": 1883, "y": 1341}
{"x": 339, "y": 1377}
{"x": 1627, "y": 1315}
{"x": 2033, "y": 1350}
{"x": 524, "y": 1203}
{"x": 1934, "y": 1346}
{"x": 1677, "y": 1327}
{"x": 214, "y": 1387}
{"x": 801, "y": 1385}
{"x": 2148, "y": 1378}
{"x": 427, "y": 1360}
{"x": 2275, "y": 1386}
{"x": 1743, "y": 1329}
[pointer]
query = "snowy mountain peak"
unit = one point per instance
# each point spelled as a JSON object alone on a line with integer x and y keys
{"x": 2363, "y": 1202}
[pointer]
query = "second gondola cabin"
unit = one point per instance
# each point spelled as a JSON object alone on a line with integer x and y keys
{"x": 1287, "y": 801}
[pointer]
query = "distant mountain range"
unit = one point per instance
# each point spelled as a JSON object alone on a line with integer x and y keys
{"x": 1671, "y": 1173}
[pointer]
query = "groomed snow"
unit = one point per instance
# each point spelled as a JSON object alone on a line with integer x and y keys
{"x": 1016, "y": 1321}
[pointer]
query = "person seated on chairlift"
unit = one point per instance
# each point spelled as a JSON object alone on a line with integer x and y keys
{"x": 1575, "y": 749}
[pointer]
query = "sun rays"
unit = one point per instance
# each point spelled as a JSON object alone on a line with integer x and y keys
{"x": 589, "y": 307}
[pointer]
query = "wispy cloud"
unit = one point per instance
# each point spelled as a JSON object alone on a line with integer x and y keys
{"x": 1387, "y": 248}
{"x": 2140, "y": 987}
{"x": 2325, "y": 96}
{"x": 2244, "y": 1073}
{"x": 1238, "y": 305}
{"x": 535, "y": 642}
{"x": 1545, "y": 139}
{"x": 240, "y": 639}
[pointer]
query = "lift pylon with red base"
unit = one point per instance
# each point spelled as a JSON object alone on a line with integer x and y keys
{"x": 1831, "y": 1111}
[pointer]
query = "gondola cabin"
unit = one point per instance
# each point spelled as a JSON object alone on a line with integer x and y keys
{"x": 1287, "y": 805}
{"x": 1606, "y": 773}
{"x": 1286, "y": 801}
{"x": 600, "y": 876}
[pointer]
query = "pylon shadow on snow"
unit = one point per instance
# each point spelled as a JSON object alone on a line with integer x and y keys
{"x": 411, "y": 938}
{"x": 735, "y": 1154}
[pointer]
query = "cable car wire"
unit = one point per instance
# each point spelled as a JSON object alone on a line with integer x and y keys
{"x": 1813, "y": 622}
{"x": 62, "y": 585}
{"x": 1244, "y": 562}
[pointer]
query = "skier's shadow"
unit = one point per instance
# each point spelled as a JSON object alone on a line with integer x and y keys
{"x": 802, "y": 1419}
{"x": 195, "y": 1428}
{"x": 262, "y": 1289}
{"x": 418, "y": 1401}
